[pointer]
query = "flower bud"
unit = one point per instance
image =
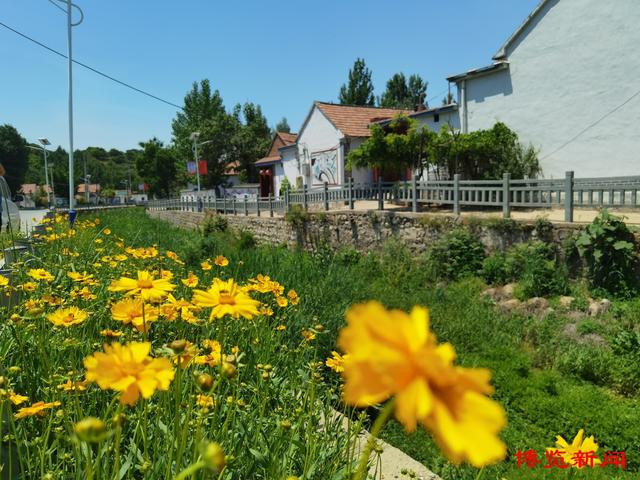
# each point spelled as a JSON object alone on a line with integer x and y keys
{"x": 213, "y": 456}
{"x": 91, "y": 430}
{"x": 205, "y": 382}
{"x": 178, "y": 346}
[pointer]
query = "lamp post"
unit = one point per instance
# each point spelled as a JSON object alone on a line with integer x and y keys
{"x": 194, "y": 138}
{"x": 45, "y": 143}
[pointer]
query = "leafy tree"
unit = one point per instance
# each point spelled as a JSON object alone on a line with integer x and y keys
{"x": 448, "y": 99}
{"x": 359, "y": 89}
{"x": 13, "y": 156}
{"x": 397, "y": 146}
{"x": 157, "y": 167}
{"x": 283, "y": 126}
{"x": 251, "y": 140}
{"x": 400, "y": 94}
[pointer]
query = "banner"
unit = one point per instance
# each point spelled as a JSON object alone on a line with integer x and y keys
{"x": 191, "y": 168}
{"x": 203, "y": 167}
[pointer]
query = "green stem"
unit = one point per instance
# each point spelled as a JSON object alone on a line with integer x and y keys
{"x": 190, "y": 470}
{"x": 380, "y": 422}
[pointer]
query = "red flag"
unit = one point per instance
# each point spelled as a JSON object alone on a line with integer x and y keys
{"x": 202, "y": 167}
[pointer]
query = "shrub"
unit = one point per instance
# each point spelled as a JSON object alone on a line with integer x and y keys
{"x": 608, "y": 248}
{"x": 214, "y": 223}
{"x": 494, "y": 269}
{"x": 590, "y": 363}
{"x": 455, "y": 255}
{"x": 296, "y": 216}
{"x": 245, "y": 240}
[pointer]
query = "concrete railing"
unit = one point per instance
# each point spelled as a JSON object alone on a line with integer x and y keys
{"x": 507, "y": 193}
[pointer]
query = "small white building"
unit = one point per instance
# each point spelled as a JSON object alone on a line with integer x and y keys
{"x": 567, "y": 82}
{"x": 325, "y": 138}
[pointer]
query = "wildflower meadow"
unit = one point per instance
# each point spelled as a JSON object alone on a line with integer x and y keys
{"x": 131, "y": 349}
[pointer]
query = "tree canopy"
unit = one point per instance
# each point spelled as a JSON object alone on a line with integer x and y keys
{"x": 402, "y": 94}
{"x": 157, "y": 167}
{"x": 283, "y": 126}
{"x": 13, "y": 156}
{"x": 359, "y": 88}
{"x": 480, "y": 155}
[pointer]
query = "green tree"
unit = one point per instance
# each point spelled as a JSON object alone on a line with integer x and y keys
{"x": 359, "y": 89}
{"x": 251, "y": 140}
{"x": 448, "y": 99}
{"x": 157, "y": 167}
{"x": 400, "y": 94}
{"x": 14, "y": 156}
{"x": 283, "y": 126}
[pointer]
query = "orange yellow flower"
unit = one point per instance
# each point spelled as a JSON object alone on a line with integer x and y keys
{"x": 135, "y": 312}
{"x": 392, "y": 353}
{"x": 226, "y": 298}
{"x": 191, "y": 281}
{"x": 130, "y": 370}
{"x": 4, "y": 281}
{"x": 111, "y": 333}
{"x": 336, "y": 362}
{"x": 40, "y": 274}
{"x": 293, "y": 297}
{"x": 580, "y": 444}
{"x": 205, "y": 401}
{"x": 308, "y": 335}
{"x": 65, "y": 317}
{"x": 70, "y": 386}
{"x": 282, "y": 302}
{"x": 174, "y": 256}
{"x": 206, "y": 265}
{"x": 37, "y": 408}
{"x": 213, "y": 353}
{"x": 145, "y": 286}
{"x": 16, "y": 398}
{"x": 221, "y": 261}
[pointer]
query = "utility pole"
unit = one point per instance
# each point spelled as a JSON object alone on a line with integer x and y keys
{"x": 194, "y": 137}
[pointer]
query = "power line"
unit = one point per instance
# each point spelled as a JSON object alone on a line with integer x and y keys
{"x": 588, "y": 127}
{"x": 102, "y": 74}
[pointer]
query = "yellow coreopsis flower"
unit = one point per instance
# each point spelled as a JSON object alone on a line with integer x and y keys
{"x": 579, "y": 446}
{"x": 191, "y": 281}
{"x": 111, "y": 333}
{"x": 65, "y": 317}
{"x": 16, "y": 398}
{"x": 392, "y": 353}
{"x": 206, "y": 265}
{"x": 37, "y": 408}
{"x": 221, "y": 261}
{"x": 107, "y": 231}
{"x": 29, "y": 287}
{"x": 4, "y": 281}
{"x": 135, "y": 312}
{"x": 336, "y": 362}
{"x": 79, "y": 277}
{"x": 40, "y": 274}
{"x": 293, "y": 297}
{"x": 226, "y": 298}
{"x": 213, "y": 355}
{"x": 282, "y": 302}
{"x": 145, "y": 286}
{"x": 130, "y": 370}
{"x": 174, "y": 256}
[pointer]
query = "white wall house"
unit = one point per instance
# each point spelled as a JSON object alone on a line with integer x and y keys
{"x": 325, "y": 138}
{"x": 567, "y": 81}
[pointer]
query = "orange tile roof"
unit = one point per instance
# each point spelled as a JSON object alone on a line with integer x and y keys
{"x": 93, "y": 188}
{"x": 354, "y": 120}
{"x": 272, "y": 159}
{"x": 287, "y": 138}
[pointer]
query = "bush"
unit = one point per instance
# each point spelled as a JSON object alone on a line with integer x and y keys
{"x": 608, "y": 248}
{"x": 456, "y": 255}
{"x": 533, "y": 265}
{"x": 245, "y": 240}
{"x": 214, "y": 223}
{"x": 590, "y": 363}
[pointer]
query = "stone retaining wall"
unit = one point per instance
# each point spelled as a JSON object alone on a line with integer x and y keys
{"x": 370, "y": 230}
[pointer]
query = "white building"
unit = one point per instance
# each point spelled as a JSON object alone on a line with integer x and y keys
{"x": 325, "y": 138}
{"x": 567, "y": 81}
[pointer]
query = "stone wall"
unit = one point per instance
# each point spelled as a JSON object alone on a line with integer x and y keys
{"x": 367, "y": 231}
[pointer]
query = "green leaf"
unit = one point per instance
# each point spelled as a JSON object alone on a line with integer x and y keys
{"x": 623, "y": 245}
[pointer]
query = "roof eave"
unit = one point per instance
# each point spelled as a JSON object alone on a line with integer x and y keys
{"x": 501, "y": 54}
{"x": 494, "y": 67}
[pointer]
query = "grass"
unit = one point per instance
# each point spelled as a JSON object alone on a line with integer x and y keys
{"x": 546, "y": 383}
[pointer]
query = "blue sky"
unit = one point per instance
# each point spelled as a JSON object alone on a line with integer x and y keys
{"x": 282, "y": 55}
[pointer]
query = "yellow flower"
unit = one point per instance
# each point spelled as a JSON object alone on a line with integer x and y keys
{"x": 111, "y": 333}
{"x": 91, "y": 430}
{"x": 130, "y": 370}
{"x": 213, "y": 354}
{"x": 336, "y": 362}
{"x": 293, "y": 297}
{"x": 107, "y": 231}
{"x": 37, "y": 408}
{"x": 226, "y": 298}
{"x": 174, "y": 256}
{"x": 70, "y": 386}
{"x": 205, "y": 401}
{"x": 221, "y": 261}
{"x": 392, "y": 353}
{"x": 166, "y": 274}
{"x": 83, "y": 293}
{"x": 266, "y": 311}
{"x": 281, "y": 328}
{"x": 40, "y": 274}
{"x": 65, "y": 317}
{"x": 135, "y": 312}
{"x": 142, "y": 253}
{"x": 579, "y": 444}
{"x": 4, "y": 281}
{"x": 145, "y": 286}
{"x": 308, "y": 335}
{"x": 184, "y": 354}
{"x": 79, "y": 277}
{"x": 121, "y": 257}
{"x": 191, "y": 281}
{"x": 282, "y": 301}
{"x": 16, "y": 398}
{"x": 206, "y": 265}
{"x": 29, "y": 287}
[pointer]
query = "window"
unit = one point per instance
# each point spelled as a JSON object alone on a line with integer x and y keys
{"x": 436, "y": 117}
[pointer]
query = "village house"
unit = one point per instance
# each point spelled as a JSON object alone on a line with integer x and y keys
{"x": 319, "y": 151}
{"x": 270, "y": 166}
{"x": 567, "y": 82}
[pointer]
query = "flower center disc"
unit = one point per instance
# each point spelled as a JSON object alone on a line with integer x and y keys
{"x": 226, "y": 299}
{"x": 145, "y": 283}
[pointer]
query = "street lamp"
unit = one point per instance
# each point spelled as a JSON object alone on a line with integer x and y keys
{"x": 45, "y": 143}
{"x": 194, "y": 138}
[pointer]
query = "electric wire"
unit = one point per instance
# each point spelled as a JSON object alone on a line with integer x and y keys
{"x": 94, "y": 70}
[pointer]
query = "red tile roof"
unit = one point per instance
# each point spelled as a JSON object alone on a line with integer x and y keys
{"x": 280, "y": 139}
{"x": 354, "y": 120}
{"x": 93, "y": 188}
{"x": 287, "y": 138}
